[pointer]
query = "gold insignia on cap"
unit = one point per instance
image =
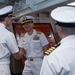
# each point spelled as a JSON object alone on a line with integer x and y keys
{"x": 26, "y": 21}
{"x": 11, "y": 15}
{"x": 24, "y": 18}
{"x": 51, "y": 49}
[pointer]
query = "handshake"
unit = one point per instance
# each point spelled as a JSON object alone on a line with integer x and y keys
{"x": 19, "y": 54}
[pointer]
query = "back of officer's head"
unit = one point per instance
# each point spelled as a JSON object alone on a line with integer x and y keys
{"x": 65, "y": 17}
{"x": 6, "y": 12}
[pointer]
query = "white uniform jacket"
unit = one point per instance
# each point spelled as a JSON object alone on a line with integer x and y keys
{"x": 62, "y": 60}
{"x": 8, "y": 45}
{"x": 33, "y": 44}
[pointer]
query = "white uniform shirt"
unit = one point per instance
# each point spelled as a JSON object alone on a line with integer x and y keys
{"x": 8, "y": 44}
{"x": 62, "y": 60}
{"x": 33, "y": 44}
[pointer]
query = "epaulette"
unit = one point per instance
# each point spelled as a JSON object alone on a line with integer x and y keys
{"x": 51, "y": 49}
{"x": 22, "y": 34}
{"x": 38, "y": 32}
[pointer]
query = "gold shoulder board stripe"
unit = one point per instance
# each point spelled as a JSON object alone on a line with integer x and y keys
{"x": 51, "y": 49}
{"x": 22, "y": 34}
{"x": 38, "y": 32}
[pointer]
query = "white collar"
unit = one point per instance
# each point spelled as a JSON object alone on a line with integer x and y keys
{"x": 68, "y": 38}
{"x": 2, "y": 25}
{"x": 34, "y": 32}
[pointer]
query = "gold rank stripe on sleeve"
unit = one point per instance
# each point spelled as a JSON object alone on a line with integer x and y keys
{"x": 51, "y": 49}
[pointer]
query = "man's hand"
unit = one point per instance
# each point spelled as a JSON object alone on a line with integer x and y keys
{"x": 19, "y": 54}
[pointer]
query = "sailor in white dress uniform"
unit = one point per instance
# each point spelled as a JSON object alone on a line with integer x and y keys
{"x": 8, "y": 43}
{"x": 61, "y": 61}
{"x": 33, "y": 45}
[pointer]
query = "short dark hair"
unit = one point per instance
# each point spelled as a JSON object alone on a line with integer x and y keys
{"x": 2, "y": 18}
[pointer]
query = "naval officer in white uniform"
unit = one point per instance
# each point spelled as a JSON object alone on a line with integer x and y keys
{"x": 34, "y": 43}
{"x": 8, "y": 43}
{"x": 62, "y": 60}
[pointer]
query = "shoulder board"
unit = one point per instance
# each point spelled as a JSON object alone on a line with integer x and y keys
{"x": 38, "y": 32}
{"x": 51, "y": 49}
{"x": 22, "y": 34}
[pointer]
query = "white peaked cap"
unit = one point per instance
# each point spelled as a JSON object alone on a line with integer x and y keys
{"x": 6, "y": 10}
{"x": 64, "y": 14}
{"x": 26, "y": 19}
